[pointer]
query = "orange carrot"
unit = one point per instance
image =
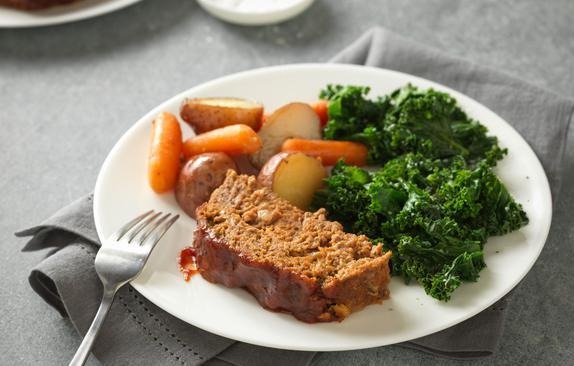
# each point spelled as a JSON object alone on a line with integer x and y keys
{"x": 329, "y": 151}
{"x": 233, "y": 140}
{"x": 164, "y": 152}
{"x": 322, "y": 109}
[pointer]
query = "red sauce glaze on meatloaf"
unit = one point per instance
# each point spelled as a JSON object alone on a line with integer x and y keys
{"x": 290, "y": 260}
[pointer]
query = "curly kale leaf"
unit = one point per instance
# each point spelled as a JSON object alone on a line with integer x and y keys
{"x": 465, "y": 267}
{"x": 350, "y": 112}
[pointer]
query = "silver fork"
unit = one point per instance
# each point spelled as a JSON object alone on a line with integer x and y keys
{"x": 120, "y": 259}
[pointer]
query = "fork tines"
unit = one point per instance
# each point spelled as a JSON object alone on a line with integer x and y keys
{"x": 155, "y": 223}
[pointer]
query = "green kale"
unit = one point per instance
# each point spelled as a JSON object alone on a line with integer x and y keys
{"x": 434, "y": 214}
{"x": 464, "y": 267}
{"x": 435, "y": 200}
{"x": 345, "y": 181}
{"x": 407, "y": 120}
{"x": 350, "y": 111}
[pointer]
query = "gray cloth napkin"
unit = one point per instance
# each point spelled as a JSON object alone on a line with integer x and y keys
{"x": 137, "y": 332}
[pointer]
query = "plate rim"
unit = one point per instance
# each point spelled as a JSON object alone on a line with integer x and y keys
{"x": 538, "y": 166}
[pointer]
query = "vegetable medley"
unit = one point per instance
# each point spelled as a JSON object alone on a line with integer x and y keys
{"x": 435, "y": 199}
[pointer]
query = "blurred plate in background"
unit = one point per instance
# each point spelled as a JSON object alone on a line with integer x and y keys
{"x": 83, "y": 9}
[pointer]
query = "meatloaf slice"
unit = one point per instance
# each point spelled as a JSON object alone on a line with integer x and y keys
{"x": 290, "y": 260}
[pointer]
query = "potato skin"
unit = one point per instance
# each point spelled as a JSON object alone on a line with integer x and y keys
{"x": 266, "y": 174}
{"x": 199, "y": 177}
{"x": 204, "y": 114}
{"x": 293, "y": 176}
{"x": 293, "y": 120}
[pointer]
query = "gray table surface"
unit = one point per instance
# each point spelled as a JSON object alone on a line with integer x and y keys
{"x": 68, "y": 92}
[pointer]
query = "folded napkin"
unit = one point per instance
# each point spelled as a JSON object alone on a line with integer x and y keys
{"x": 137, "y": 332}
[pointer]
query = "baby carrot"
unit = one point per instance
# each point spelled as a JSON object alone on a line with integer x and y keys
{"x": 164, "y": 152}
{"x": 322, "y": 110}
{"x": 233, "y": 140}
{"x": 329, "y": 151}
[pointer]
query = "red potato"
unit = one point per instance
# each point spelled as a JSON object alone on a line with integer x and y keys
{"x": 206, "y": 114}
{"x": 293, "y": 176}
{"x": 199, "y": 177}
{"x": 164, "y": 153}
{"x": 292, "y": 120}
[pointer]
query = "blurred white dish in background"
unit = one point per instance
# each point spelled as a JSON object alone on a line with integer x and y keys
{"x": 255, "y": 12}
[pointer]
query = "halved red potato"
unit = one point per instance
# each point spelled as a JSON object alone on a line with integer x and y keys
{"x": 199, "y": 177}
{"x": 206, "y": 114}
{"x": 294, "y": 176}
{"x": 292, "y": 120}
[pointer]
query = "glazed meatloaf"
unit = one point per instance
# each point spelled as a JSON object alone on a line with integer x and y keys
{"x": 34, "y": 4}
{"x": 290, "y": 260}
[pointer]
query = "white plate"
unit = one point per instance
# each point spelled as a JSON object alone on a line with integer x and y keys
{"x": 122, "y": 192}
{"x": 13, "y": 18}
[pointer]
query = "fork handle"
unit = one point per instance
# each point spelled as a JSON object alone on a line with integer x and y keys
{"x": 84, "y": 350}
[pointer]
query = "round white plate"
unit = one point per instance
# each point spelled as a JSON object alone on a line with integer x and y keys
{"x": 255, "y": 12}
{"x": 122, "y": 192}
{"x": 13, "y": 18}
